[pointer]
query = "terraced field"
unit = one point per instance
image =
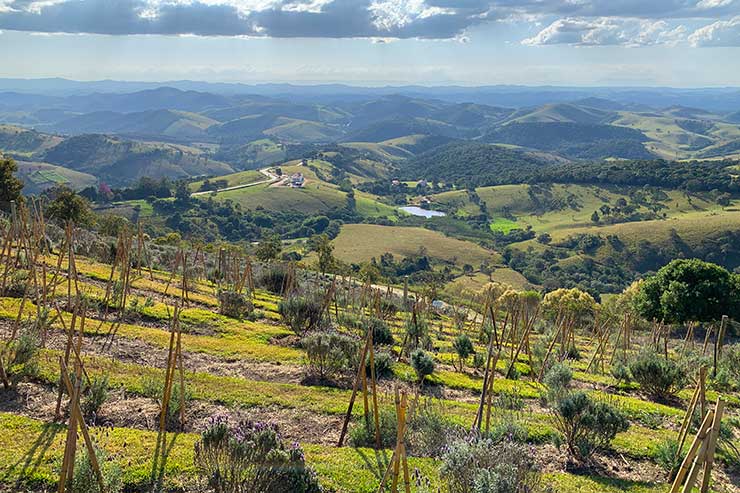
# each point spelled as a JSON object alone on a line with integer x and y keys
{"x": 250, "y": 368}
{"x": 256, "y": 369}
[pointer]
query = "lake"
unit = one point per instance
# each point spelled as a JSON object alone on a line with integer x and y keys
{"x": 418, "y": 211}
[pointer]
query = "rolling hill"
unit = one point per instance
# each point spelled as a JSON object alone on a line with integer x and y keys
{"x": 119, "y": 161}
{"x": 37, "y": 177}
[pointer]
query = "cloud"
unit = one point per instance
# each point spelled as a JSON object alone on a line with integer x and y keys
{"x": 576, "y": 21}
{"x": 606, "y": 31}
{"x": 720, "y": 33}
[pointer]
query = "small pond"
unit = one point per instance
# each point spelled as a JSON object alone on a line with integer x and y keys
{"x": 418, "y": 211}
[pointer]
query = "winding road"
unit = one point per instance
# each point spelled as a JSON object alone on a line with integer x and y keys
{"x": 271, "y": 178}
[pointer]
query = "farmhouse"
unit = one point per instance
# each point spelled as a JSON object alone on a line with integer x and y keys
{"x": 297, "y": 180}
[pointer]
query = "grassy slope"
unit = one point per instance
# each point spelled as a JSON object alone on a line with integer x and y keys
{"x": 360, "y": 242}
{"x": 313, "y": 198}
{"x": 39, "y": 176}
{"x": 234, "y": 179}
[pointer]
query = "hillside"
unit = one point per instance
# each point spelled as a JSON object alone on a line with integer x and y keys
{"x": 563, "y": 113}
{"x": 576, "y": 140}
{"x": 173, "y": 124}
{"x": 20, "y": 141}
{"x": 121, "y": 161}
{"x": 37, "y": 177}
{"x": 482, "y": 163}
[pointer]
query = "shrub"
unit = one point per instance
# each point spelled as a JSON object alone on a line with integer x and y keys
{"x": 85, "y": 479}
{"x": 557, "y": 379}
{"x": 329, "y": 354}
{"x": 430, "y": 431}
{"x": 154, "y": 389}
{"x": 621, "y": 372}
{"x": 463, "y": 346}
{"x": 658, "y": 377}
{"x": 95, "y": 396}
{"x": 251, "y": 457}
{"x": 382, "y": 334}
{"x": 362, "y": 434}
{"x": 483, "y": 465}
{"x": 423, "y": 364}
{"x": 233, "y": 304}
{"x": 508, "y": 428}
{"x": 510, "y": 399}
{"x": 417, "y": 332}
{"x": 301, "y": 313}
{"x": 667, "y": 456}
{"x": 272, "y": 278}
{"x": 18, "y": 360}
{"x": 478, "y": 361}
{"x": 728, "y": 373}
{"x": 383, "y": 365}
{"x": 587, "y": 425}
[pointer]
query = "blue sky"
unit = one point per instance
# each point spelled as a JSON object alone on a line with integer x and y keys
{"x": 682, "y": 43}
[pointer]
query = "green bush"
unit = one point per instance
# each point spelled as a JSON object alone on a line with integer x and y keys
{"x": 478, "y": 361}
{"x": 484, "y": 465}
{"x": 558, "y": 379}
{"x": 463, "y": 346}
{"x": 85, "y": 479}
{"x": 154, "y": 389}
{"x": 329, "y": 354}
{"x": 510, "y": 399}
{"x": 667, "y": 456}
{"x": 430, "y": 431}
{"x": 233, "y": 304}
{"x": 587, "y": 425}
{"x": 272, "y": 278}
{"x": 96, "y": 394}
{"x": 417, "y": 333}
{"x": 301, "y": 313}
{"x": 251, "y": 457}
{"x": 423, "y": 364}
{"x": 658, "y": 377}
{"x": 362, "y": 434}
{"x": 18, "y": 359}
{"x": 383, "y": 365}
{"x": 382, "y": 334}
{"x": 728, "y": 373}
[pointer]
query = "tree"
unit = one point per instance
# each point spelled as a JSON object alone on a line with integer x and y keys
{"x": 689, "y": 290}
{"x": 595, "y": 217}
{"x": 269, "y": 248}
{"x": 322, "y": 245}
{"x": 67, "y": 206}
{"x": 10, "y": 186}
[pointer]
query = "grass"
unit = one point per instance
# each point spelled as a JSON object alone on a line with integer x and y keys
{"x": 361, "y": 242}
{"x": 503, "y": 225}
{"x": 232, "y": 180}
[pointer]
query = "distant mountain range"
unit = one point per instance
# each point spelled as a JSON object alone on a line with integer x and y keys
{"x": 183, "y": 130}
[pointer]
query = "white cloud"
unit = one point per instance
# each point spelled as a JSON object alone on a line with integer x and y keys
{"x": 720, "y": 33}
{"x": 605, "y": 31}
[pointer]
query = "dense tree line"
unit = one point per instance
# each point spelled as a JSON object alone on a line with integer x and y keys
{"x": 470, "y": 164}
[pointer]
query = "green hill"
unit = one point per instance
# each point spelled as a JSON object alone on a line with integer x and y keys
{"x": 577, "y": 140}
{"x": 20, "y": 141}
{"x": 119, "y": 161}
{"x": 37, "y": 177}
{"x": 562, "y": 113}
{"x": 470, "y": 162}
{"x": 174, "y": 124}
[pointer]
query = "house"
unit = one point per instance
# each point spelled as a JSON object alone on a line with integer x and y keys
{"x": 296, "y": 180}
{"x": 395, "y": 183}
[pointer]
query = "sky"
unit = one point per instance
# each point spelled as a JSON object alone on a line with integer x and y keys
{"x": 679, "y": 43}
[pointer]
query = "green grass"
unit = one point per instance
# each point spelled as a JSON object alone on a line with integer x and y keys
{"x": 503, "y": 225}
{"x": 361, "y": 242}
{"x": 232, "y": 180}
